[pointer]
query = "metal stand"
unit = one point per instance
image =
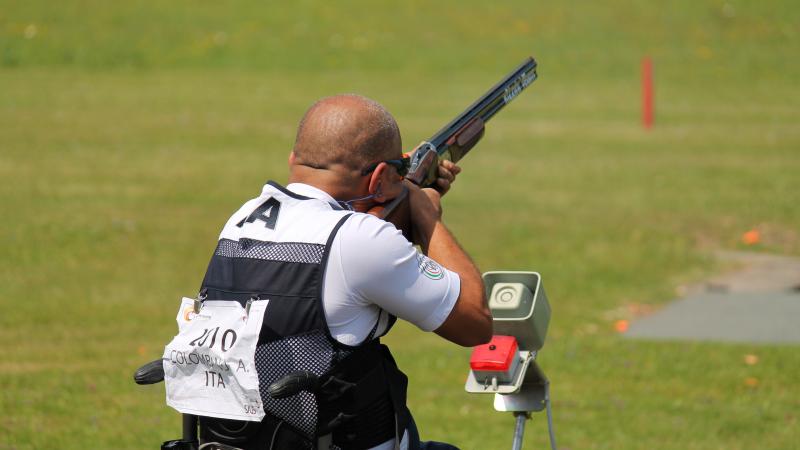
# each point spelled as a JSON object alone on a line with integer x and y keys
{"x": 519, "y": 429}
{"x": 529, "y": 395}
{"x": 529, "y": 398}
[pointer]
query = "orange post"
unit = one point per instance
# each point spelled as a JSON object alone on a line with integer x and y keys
{"x": 647, "y": 93}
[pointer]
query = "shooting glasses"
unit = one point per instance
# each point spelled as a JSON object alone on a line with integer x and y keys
{"x": 402, "y": 165}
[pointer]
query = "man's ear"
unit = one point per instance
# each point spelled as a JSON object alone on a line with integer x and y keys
{"x": 291, "y": 158}
{"x": 377, "y": 183}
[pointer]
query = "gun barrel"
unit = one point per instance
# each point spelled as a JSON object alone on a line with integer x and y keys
{"x": 490, "y": 103}
{"x": 455, "y": 140}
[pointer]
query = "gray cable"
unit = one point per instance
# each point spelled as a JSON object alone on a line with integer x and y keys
{"x": 549, "y": 416}
{"x": 275, "y": 434}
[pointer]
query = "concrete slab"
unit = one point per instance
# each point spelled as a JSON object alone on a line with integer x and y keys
{"x": 766, "y": 318}
{"x": 758, "y": 303}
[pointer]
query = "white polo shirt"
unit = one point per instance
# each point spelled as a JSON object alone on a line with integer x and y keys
{"x": 372, "y": 269}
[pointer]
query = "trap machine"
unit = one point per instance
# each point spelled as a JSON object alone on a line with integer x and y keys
{"x": 506, "y": 366}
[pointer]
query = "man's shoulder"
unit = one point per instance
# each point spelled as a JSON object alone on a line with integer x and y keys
{"x": 363, "y": 227}
{"x": 371, "y": 245}
{"x": 280, "y": 215}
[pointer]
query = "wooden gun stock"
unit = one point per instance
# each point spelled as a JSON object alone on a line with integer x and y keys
{"x": 397, "y": 211}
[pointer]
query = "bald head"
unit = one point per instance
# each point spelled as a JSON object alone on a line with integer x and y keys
{"x": 346, "y": 130}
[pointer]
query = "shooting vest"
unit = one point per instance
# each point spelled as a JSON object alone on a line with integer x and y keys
{"x": 276, "y": 247}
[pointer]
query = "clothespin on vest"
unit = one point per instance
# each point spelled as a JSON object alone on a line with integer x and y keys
{"x": 249, "y": 304}
{"x": 198, "y": 302}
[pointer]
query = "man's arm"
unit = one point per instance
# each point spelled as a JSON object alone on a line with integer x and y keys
{"x": 470, "y": 321}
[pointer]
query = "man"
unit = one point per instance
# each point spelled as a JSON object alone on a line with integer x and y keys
{"x": 337, "y": 278}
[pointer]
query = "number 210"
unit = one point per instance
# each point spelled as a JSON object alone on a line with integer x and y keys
{"x": 212, "y": 333}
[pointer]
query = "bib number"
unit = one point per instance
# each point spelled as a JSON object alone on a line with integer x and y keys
{"x": 209, "y": 367}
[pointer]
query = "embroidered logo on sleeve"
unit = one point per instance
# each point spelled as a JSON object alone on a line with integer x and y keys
{"x": 429, "y": 267}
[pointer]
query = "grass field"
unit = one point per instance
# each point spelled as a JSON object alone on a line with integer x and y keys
{"x": 129, "y": 133}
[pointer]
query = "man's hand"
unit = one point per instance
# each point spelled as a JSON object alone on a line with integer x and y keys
{"x": 447, "y": 175}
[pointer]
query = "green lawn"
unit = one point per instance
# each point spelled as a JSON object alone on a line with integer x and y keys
{"x": 129, "y": 133}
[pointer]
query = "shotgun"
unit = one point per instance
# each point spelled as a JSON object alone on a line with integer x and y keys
{"x": 454, "y": 140}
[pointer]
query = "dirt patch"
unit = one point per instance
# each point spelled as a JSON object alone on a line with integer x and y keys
{"x": 755, "y": 272}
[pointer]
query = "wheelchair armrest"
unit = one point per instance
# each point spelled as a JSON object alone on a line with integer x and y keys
{"x": 293, "y": 383}
{"x": 150, "y": 373}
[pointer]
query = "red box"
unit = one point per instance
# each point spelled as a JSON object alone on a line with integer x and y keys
{"x": 498, "y": 359}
